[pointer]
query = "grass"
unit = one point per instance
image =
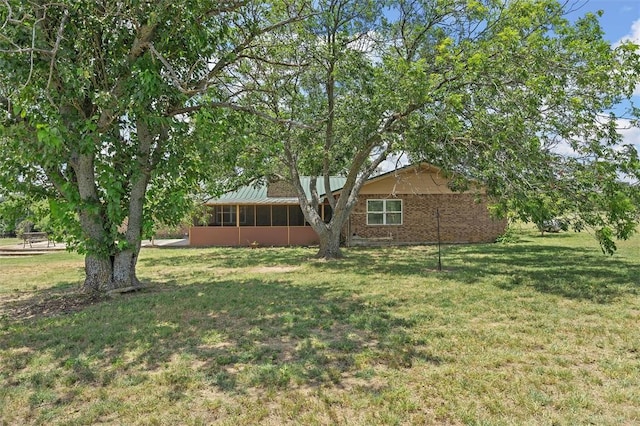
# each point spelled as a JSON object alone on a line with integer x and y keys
{"x": 540, "y": 331}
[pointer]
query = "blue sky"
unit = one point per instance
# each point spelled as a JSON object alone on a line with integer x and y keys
{"x": 621, "y": 18}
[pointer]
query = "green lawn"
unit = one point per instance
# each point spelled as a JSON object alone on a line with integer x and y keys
{"x": 542, "y": 331}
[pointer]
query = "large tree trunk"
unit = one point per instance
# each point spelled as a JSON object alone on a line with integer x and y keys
{"x": 108, "y": 266}
{"x": 124, "y": 269}
{"x": 329, "y": 233}
{"x": 329, "y": 245}
{"x": 98, "y": 274}
{"x": 112, "y": 273}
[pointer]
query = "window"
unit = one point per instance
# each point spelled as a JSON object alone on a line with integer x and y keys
{"x": 384, "y": 212}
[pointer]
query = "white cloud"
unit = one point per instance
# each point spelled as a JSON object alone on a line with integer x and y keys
{"x": 630, "y": 134}
{"x": 633, "y": 36}
{"x": 393, "y": 162}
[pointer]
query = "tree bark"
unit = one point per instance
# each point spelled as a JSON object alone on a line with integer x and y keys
{"x": 329, "y": 245}
{"x": 98, "y": 273}
{"x": 105, "y": 274}
{"x": 108, "y": 266}
{"x": 328, "y": 233}
{"x": 124, "y": 269}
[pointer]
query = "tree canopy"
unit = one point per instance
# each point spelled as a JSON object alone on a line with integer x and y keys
{"x": 511, "y": 94}
{"x": 116, "y": 111}
{"x": 99, "y": 112}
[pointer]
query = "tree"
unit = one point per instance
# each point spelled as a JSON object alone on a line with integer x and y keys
{"x": 14, "y": 209}
{"x": 101, "y": 105}
{"x": 489, "y": 91}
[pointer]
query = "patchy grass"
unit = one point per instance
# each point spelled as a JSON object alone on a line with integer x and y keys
{"x": 540, "y": 331}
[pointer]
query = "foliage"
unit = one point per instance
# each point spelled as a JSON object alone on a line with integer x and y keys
{"x": 100, "y": 101}
{"x": 512, "y": 95}
{"x": 21, "y": 213}
{"x": 13, "y": 210}
{"x": 109, "y": 110}
{"x": 540, "y": 136}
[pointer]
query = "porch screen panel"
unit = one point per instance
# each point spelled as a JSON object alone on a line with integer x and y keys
{"x": 247, "y": 215}
{"x": 214, "y": 216}
{"x": 279, "y": 215}
{"x": 296, "y": 218}
{"x": 263, "y": 215}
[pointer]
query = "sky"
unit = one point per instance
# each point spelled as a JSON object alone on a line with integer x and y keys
{"x": 620, "y": 19}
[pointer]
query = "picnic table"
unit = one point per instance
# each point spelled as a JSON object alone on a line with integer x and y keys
{"x": 36, "y": 237}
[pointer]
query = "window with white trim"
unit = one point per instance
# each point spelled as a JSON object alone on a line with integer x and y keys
{"x": 384, "y": 212}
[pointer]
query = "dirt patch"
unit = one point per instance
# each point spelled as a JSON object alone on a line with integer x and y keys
{"x": 273, "y": 269}
{"x": 45, "y": 303}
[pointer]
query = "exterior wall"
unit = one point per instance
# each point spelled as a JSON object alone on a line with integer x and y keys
{"x": 416, "y": 180}
{"x": 462, "y": 220}
{"x": 206, "y": 236}
{"x": 422, "y": 188}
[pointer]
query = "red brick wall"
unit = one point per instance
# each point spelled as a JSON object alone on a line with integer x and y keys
{"x": 462, "y": 220}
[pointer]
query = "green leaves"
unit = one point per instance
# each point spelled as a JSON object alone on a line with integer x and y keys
{"x": 48, "y": 136}
{"x": 91, "y": 116}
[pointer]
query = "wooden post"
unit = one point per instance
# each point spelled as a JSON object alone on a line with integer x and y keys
{"x": 439, "y": 250}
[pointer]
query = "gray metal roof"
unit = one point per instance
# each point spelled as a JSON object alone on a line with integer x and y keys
{"x": 257, "y": 193}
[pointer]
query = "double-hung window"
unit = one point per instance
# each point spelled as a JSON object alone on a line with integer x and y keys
{"x": 384, "y": 212}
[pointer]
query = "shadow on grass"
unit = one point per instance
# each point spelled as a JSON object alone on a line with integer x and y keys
{"x": 236, "y": 335}
{"x": 229, "y": 257}
{"x": 60, "y": 298}
{"x": 546, "y": 264}
{"x": 576, "y": 273}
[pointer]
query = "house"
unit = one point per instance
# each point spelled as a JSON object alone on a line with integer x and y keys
{"x": 412, "y": 205}
{"x": 266, "y": 213}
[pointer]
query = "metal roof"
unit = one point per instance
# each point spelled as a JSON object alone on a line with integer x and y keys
{"x": 257, "y": 193}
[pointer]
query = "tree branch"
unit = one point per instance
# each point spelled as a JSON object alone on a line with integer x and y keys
{"x": 240, "y": 108}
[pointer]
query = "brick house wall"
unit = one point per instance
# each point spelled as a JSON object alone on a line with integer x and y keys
{"x": 462, "y": 220}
